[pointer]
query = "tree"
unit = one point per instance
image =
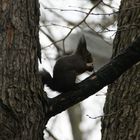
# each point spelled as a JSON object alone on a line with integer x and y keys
{"x": 21, "y": 109}
{"x": 24, "y": 107}
{"x": 121, "y": 109}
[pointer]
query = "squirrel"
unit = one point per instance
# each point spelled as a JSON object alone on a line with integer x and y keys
{"x": 68, "y": 67}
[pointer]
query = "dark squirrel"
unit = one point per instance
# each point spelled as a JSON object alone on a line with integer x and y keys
{"x": 68, "y": 67}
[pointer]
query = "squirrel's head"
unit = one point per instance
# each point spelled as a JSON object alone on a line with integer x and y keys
{"x": 84, "y": 53}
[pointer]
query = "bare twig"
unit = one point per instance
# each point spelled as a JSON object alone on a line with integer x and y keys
{"x": 79, "y": 11}
{"x": 89, "y": 26}
{"x": 50, "y": 38}
{"x": 54, "y": 24}
{"x": 77, "y": 25}
{"x": 58, "y": 15}
{"x": 101, "y": 116}
{"x": 50, "y": 134}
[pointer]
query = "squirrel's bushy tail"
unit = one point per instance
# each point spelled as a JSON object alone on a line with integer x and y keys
{"x": 46, "y": 78}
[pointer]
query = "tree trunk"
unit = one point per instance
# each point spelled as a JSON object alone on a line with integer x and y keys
{"x": 21, "y": 110}
{"x": 122, "y": 107}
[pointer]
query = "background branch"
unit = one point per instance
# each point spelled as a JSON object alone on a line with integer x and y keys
{"x": 78, "y": 24}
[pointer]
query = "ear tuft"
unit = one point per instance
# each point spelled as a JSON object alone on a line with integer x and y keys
{"x": 82, "y": 46}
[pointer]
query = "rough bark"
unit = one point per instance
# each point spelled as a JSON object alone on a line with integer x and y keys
{"x": 21, "y": 110}
{"x": 122, "y": 107}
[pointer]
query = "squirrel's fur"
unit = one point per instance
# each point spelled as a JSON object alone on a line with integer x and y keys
{"x": 67, "y": 68}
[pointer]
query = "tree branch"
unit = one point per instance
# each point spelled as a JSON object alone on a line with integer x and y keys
{"x": 97, "y": 81}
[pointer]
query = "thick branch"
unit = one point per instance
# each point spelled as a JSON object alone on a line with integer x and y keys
{"x": 97, "y": 81}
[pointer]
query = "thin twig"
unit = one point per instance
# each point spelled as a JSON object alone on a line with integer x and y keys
{"x": 50, "y": 134}
{"x": 50, "y": 38}
{"x": 79, "y": 11}
{"x": 77, "y": 25}
{"x": 89, "y": 27}
{"x": 54, "y": 24}
{"x": 101, "y": 116}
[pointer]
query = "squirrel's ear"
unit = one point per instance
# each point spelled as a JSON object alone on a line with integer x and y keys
{"x": 82, "y": 46}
